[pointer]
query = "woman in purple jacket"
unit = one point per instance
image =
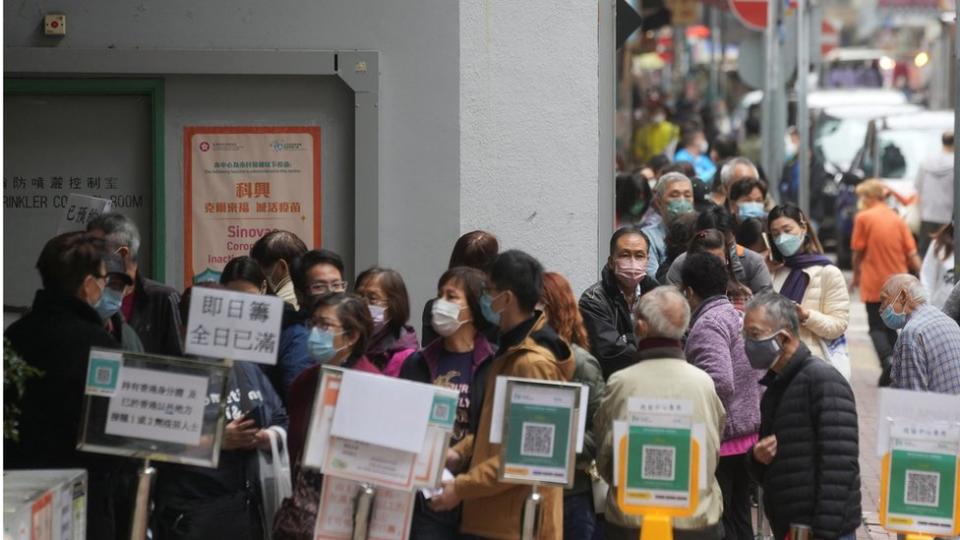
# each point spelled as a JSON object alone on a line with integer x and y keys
{"x": 715, "y": 345}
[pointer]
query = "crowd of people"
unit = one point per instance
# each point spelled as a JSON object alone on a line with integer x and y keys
{"x": 749, "y": 329}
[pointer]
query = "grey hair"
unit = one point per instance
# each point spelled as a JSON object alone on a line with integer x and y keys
{"x": 119, "y": 231}
{"x": 909, "y": 284}
{"x": 670, "y": 178}
{"x": 654, "y": 307}
{"x": 778, "y": 310}
{"x": 726, "y": 172}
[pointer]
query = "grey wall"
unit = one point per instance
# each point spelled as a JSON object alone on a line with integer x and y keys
{"x": 419, "y": 99}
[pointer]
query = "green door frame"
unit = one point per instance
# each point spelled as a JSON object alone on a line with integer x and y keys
{"x": 153, "y": 89}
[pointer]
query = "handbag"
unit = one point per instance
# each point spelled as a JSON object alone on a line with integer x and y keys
{"x": 297, "y": 515}
{"x": 274, "y": 474}
{"x": 835, "y": 350}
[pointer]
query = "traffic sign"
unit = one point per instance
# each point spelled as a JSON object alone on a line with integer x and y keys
{"x": 829, "y": 37}
{"x": 752, "y": 13}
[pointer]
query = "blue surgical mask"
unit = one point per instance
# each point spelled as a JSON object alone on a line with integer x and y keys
{"x": 747, "y": 210}
{"x": 678, "y": 207}
{"x": 762, "y": 353}
{"x": 893, "y": 320}
{"x": 320, "y": 345}
{"x": 486, "y": 306}
{"x": 109, "y": 303}
{"x": 788, "y": 244}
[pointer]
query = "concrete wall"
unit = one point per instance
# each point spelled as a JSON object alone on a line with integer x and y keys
{"x": 419, "y": 100}
{"x": 529, "y": 129}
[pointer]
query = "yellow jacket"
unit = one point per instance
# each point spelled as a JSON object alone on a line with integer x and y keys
{"x": 492, "y": 509}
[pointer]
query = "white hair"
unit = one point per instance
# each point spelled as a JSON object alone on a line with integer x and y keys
{"x": 670, "y": 178}
{"x": 659, "y": 309}
{"x": 778, "y": 310}
{"x": 119, "y": 231}
{"x": 910, "y": 285}
{"x": 726, "y": 172}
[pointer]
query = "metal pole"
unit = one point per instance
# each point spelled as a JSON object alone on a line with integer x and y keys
{"x": 956, "y": 130}
{"x": 716, "y": 56}
{"x": 803, "y": 114}
{"x": 530, "y": 521}
{"x": 141, "y": 509}
{"x": 362, "y": 510}
{"x": 771, "y": 76}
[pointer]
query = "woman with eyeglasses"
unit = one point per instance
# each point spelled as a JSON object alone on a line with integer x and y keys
{"x": 393, "y": 340}
{"x": 458, "y": 359}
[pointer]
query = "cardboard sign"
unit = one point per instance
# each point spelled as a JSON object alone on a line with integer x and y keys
{"x": 165, "y": 407}
{"x": 919, "y": 479}
{"x": 239, "y": 326}
{"x": 389, "y": 518}
{"x": 80, "y": 210}
{"x": 540, "y": 419}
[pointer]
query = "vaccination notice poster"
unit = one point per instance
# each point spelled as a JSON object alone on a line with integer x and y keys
{"x": 243, "y": 182}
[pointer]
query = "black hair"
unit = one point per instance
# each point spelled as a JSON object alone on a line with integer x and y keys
{"x": 705, "y": 274}
{"x": 303, "y": 264}
{"x": 745, "y": 186}
{"x": 947, "y": 138}
{"x": 632, "y": 190}
{"x": 521, "y": 274}
{"x": 658, "y": 163}
{"x": 395, "y": 290}
{"x": 476, "y": 249}
{"x": 726, "y": 147}
{"x": 243, "y": 268}
{"x": 354, "y": 319}
{"x": 66, "y": 261}
{"x": 625, "y": 230}
{"x": 750, "y": 232}
{"x": 716, "y": 217}
{"x": 683, "y": 167}
{"x": 278, "y": 245}
{"x": 472, "y": 281}
{"x": 811, "y": 244}
{"x": 679, "y": 233}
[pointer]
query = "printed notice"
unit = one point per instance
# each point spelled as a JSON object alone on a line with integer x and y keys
{"x": 80, "y": 210}
{"x": 366, "y": 462}
{"x": 239, "y": 326}
{"x": 103, "y": 373}
{"x": 389, "y": 519}
{"x": 159, "y": 406}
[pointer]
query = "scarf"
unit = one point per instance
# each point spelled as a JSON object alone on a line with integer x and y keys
{"x": 796, "y": 283}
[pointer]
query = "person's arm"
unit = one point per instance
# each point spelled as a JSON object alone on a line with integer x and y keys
{"x": 837, "y": 453}
{"x": 593, "y": 378}
{"x": 613, "y": 350}
{"x": 907, "y": 369}
{"x": 857, "y": 261}
{"x": 930, "y": 271}
{"x": 913, "y": 260}
{"x": 858, "y": 245}
{"x": 905, "y": 201}
{"x": 832, "y": 321}
{"x": 708, "y": 348}
{"x": 760, "y": 280}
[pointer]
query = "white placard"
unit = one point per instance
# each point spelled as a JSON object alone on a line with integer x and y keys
{"x": 389, "y": 518}
{"x": 80, "y": 210}
{"x": 499, "y": 401}
{"x": 158, "y": 406}
{"x": 324, "y": 405}
{"x": 239, "y": 326}
{"x": 383, "y": 411}
{"x": 365, "y": 462}
{"x": 915, "y": 407}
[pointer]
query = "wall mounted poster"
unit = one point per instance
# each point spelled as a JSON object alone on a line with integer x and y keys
{"x": 243, "y": 182}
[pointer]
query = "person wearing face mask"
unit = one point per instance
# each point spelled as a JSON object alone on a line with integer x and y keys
{"x": 529, "y": 348}
{"x": 807, "y": 458}
{"x": 55, "y": 336}
{"x": 657, "y": 136}
{"x": 673, "y": 197}
{"x": 926, "y": 357}
{"x": 606, "y": 306}
{"x": 111, "y": 301}
{"x": 715, "y": 345}
{"x": 809, "y": 278}
{"x": 661, "y": 371}
{"x": 276, "y": 253}
{"x": 790, "y": 178}
{"x": 746, "y": 199}
{"x": 693, "y": 149}
{"x": 393, "y": 340}
{"x": 458, "y": 359}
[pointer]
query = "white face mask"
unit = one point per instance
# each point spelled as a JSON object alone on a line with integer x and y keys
{"x": 378, "y": 314}
{"x": 445, "y": 317}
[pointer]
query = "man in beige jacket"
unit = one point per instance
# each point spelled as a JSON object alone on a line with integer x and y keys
{"x": 662, "y": 372}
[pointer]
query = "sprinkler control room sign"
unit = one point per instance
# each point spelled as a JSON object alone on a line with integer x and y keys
{"x": 241, "y": 183}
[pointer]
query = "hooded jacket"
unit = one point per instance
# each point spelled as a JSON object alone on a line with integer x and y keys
{"x": 815, "y": 477}
{"x": 492, "y": 509}
{"x": 608, "y": 321}
{"x": 934, "y": 184}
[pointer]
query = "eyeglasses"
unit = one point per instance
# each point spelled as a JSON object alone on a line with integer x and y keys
{"x": 116, "y": 283}
{"x": 323, "y": 326}
{"x": 323, "y": 287}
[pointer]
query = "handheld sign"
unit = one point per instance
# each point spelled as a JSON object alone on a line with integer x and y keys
{"x": 919, "y": 479}
{"x": 80, "y": 210}
{"x": 389, "y": 519}
{"x": 539, "y": 432}
{"x": 239, "y": 326}
{"x": 154, "y": 407}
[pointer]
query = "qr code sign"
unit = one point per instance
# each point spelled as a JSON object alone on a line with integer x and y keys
{"x": 659, "y": 463}
{"x": 537, "y": 440}
{"x": 103, "y": 375}
{"x": 441, "y": 410}
{"x": 922, "y": 489}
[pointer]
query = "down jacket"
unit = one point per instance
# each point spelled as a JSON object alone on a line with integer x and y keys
{"x": 828, "y": 301}
{"x": 609, "y": 323}
{"x": 814, "y": 479}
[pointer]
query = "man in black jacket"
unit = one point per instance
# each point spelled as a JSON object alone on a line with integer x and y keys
{"x": 55, "y": 337}
{"x": 807, "y": 456}
{"x": 150, "y": 307}
{"x": 607, "y": 306}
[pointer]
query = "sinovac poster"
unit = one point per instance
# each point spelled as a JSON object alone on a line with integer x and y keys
{"x": 243, "y": 182}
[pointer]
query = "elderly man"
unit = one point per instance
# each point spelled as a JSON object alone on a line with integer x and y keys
{"x": 926, "y": 356}
{"x": 733, "y": 170}
{"x": 662, "y": 372}
{"x": 673, "y": 196}
{"x": 806, "y": 458}
{"x": 151, "y": 308}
